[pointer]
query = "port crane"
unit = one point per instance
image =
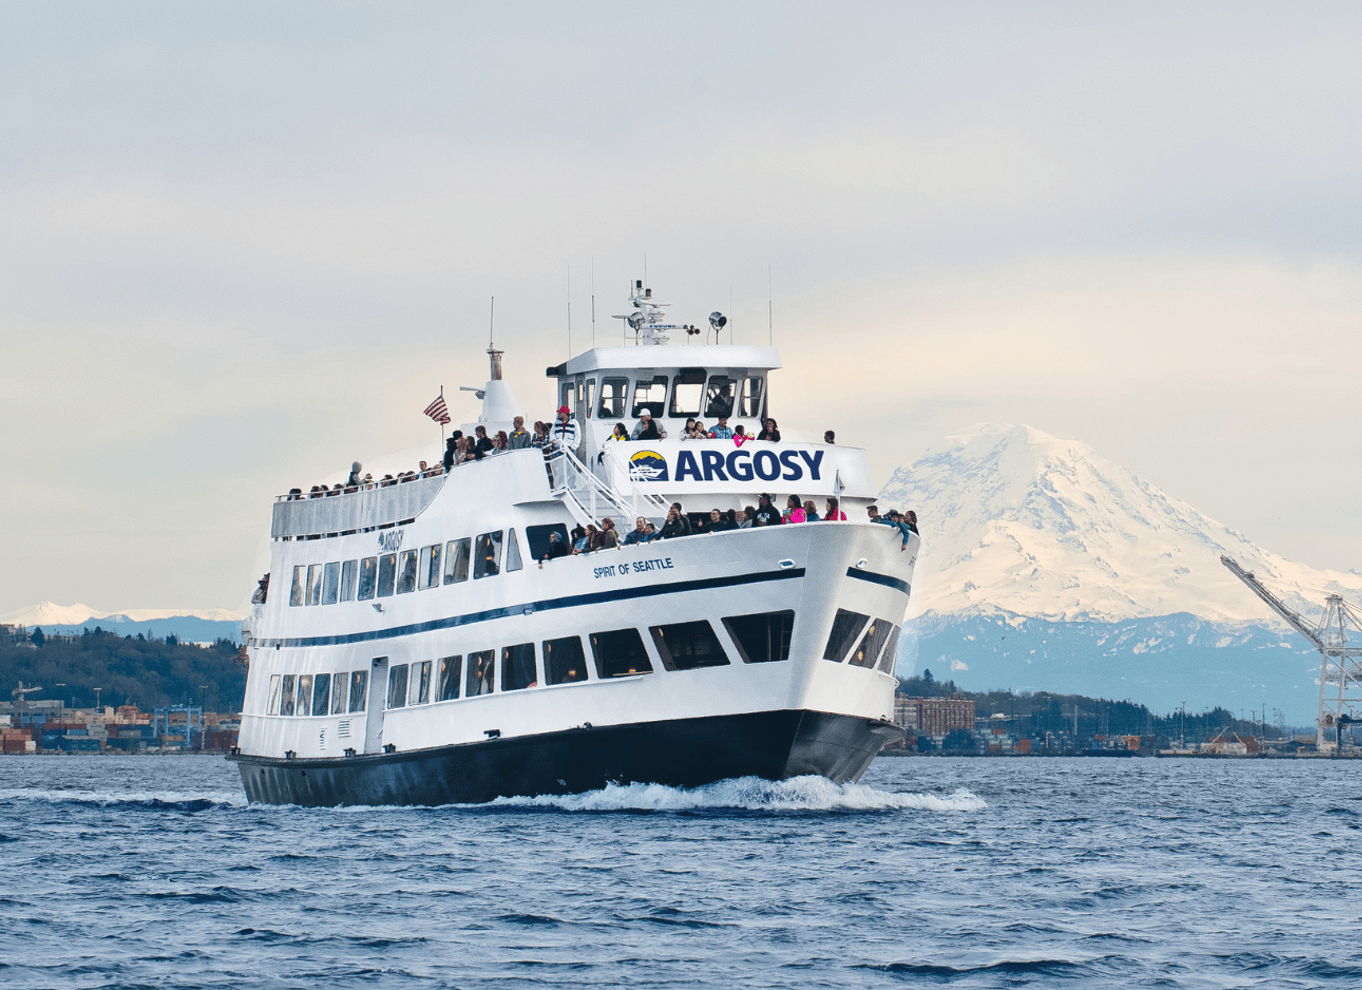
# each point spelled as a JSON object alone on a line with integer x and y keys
{"x": 19, "y": 696}
{"x": 1340, "y": 669}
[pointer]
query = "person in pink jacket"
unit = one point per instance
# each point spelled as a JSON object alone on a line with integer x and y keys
{"x": 834, "y": 513}
{"x": 794, "y": 510}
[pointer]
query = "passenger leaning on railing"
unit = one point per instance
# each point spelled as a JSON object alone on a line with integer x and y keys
{"x": 519, "y": 438}
{"x": 646, "y": 429}
{"x": 566, "y": 435}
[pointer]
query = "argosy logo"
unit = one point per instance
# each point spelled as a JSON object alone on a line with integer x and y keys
{"x": 747, "y": 465}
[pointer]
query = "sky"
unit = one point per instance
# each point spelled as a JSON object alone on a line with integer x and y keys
{"x": 245, "y": 244}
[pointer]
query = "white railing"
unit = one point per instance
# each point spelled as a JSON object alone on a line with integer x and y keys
{"x": 590, "y": 499}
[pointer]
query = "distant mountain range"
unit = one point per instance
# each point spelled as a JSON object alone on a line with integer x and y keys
{"x": 1046, "y": 566}
{"x": 189, "y": 625}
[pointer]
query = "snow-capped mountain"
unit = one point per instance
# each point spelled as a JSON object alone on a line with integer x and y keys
{"x": 1047, "y": 567}
{"x": 1014, "y": 519}
{"x": 51, "y": 614}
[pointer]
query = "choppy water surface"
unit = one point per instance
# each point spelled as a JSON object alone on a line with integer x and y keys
{"x": 152, "y": 871}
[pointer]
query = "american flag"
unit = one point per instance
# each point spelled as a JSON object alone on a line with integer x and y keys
{"x": 437, "y": 411}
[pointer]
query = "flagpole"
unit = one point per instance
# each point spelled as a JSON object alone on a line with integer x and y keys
{"x": 442, "y": 427}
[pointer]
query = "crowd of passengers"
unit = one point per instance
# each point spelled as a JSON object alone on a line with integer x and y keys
{"x": 563, "y": 433}
{"x": 590, "y": 539}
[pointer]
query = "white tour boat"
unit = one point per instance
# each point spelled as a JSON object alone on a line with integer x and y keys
{"x": 416, "y": 648}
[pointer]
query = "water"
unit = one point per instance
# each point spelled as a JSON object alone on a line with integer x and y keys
{"x": 153, "y": 872}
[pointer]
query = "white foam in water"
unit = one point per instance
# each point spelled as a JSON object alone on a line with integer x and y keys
{"x": 750, "y": 794}
{"x": 127, "y": 797}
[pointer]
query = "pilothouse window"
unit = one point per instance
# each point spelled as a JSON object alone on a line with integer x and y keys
{"x": 749, "y": 403}
{"x": 650, "y": 395}
{"x": 719, "y": 397}
{"x": 613, "y": 392}
{"x": 687, "y": 388}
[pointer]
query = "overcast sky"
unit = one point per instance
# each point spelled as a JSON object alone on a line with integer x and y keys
{"x": 244, "y": 244}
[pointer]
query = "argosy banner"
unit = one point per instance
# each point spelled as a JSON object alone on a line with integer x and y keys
{"x": 721, "y": 465}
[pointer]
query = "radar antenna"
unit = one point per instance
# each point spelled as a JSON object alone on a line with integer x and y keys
{"x": 1340, "y": 669}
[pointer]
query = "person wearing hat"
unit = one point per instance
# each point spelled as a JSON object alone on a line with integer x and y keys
{"x": 647, "y": 429}
{"x": 565, "y": 433}
{"x": 767, "y": 512}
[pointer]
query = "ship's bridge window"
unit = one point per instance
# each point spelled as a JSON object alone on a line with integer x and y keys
{"x": 891, "y": 649}
{"x": 620, "y": 653}
{"x": 420, "y": 683}
{"x": 517, "y": 667}
{"x": 321, "y": 694}
{"x": 368, "y": 578}
{"x": 339, "y": 682}
{"x": 538, "y": 538}
{"x": 868, "y": 650}
{"x": 450, "y": 670}
{"x": 349, "y": 574}
{"x": 613, "y": 393}
{"x": 397, "y": 686}
{"x": 304, "y": 694}
{"x": 567, "y": 393}
{"x": 299, "y": 578}
{"x": 762, "y": 638}
{"x": 719, "y": 397}
{"x": 289, "y": 696}
{"x": 406, "y": 571}
{"x": 846, "y": 626}
{"x": 749, "y": 402}
{"x": 688, "y": 646}
{"x": 650, "y": 394}
{"x": 387, "y": 574}
{"x": 588, "y": 397}
{"x": 564, "y": 660}
{"x": 275, "y": 689}
{"x": 457, "y": 553}
{"x": 487, "y": 555}
{"x": 687, "y": 388}
{"x": 481, "y": 673}
{"x": 359, "y": 690}
{"x": 331, "y": 583}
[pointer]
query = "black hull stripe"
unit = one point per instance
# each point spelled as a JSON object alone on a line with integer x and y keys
{"x": 547, "y": 604}
{"x": 873, "y": 578}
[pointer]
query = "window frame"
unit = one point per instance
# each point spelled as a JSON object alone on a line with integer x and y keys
{"x": 428, "y": 568}
{"x": 408, "y": 571}
{"x": 656, "y": 409}
{"x": 619, "y": 401}
{"x": 687, "y": 378}
{"x": 553, "y": 665}
{"x": 339, "y": 701}
{"x": 314, "y": 583}
{"x": 711, "y": 412}
{"x": 368, "y": 578}
{"x": 359, "y": 691}
{"x": 397, "y": 687}
{"x": 298, "y": 592}
{"x": 487, "y": 565}
{"x": 387, "y": 575}
{"x": 331, "y": 582}
{"x": 275, "y": 693}
{"x": 782, "y": 640}
{"x": 853, "y": 625}
{"x": 515, "y": 664}
{"x": 604, "y": 659}
{"x": 450, "y": 671}
{"x": 458, "y": 560}
{"x": 678, "y": 654}
{"x": 349, "y": 580}
{"x": 486, "y": 661}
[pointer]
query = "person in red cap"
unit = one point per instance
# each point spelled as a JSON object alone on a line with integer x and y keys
{"x": 565, "y": 433}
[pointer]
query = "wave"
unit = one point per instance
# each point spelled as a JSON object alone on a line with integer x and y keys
{"x": 192, "y": 801}
{"x": 746, "y": 794}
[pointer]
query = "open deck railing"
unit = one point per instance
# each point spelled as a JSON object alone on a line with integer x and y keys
{"x": 590, "y": 499}
{"x": 353, "y": 511}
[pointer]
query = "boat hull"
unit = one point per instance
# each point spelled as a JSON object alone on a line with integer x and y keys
{"x": 775, "y": 745}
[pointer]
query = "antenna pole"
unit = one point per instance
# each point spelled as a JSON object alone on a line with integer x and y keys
{"x": 731, "y": 320}
{"x": 769, "y": 331}
{"x": 442, "y": 425}
{"x": 569, "y": 309}
{"x": 593, "y": 300}
{"x": 492, "y": 322}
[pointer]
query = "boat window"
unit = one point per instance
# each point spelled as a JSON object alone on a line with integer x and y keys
{"x": 512, "y": 552}
{"x": 749, "y": 403}
{"x": 349, "y": 572}
{"x": 314, "y": 584}
{"x": 688, "y": 646}
{"x": 397, "y": 686}
{"x": 620, "y": 653}
{"x": 430, "y": 566}
{"x": 299, "y": 577}
{"x": 650, "y": 394}
{"x": 868, "y": 650}
{"x": 762, "y": 638}
{"x": 450, "y": 671}
{"x": 331, "y": 583}
{"x": 613, "y": 391}
{"x": 387, "y": 574}
{"x": 564, "y": 660}
{"x": 304, "y": 694}
{"x": 487, "y": 555}
{"x": 368, "y": 578}
{"x": 456, "y": 560}
{"x": 687, "y": 388}
{"x": 517, "y": 667}
{"x": 567, "y": 393}
{"x": 359, "y": 690}
{"x": 891, "y": 649}
{"x": 420, "y": 683}
{"x": 719, "y": 397}
{"x": 406, "y": 571}
{"x": 480, "y": 670}
{"x": 538, "y": 538}
{"x": 321, "y": 694}
{"x": 273, "y": 707}
{"x": 289, "y": 696}
{"x": 846, "y": 626}
{"x": 339, "y": 680}
{"x": 589, "y": 396}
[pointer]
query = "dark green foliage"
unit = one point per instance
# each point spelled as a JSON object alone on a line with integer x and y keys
{"x": 38, "y": 639}
{"x": 140, "y": 671}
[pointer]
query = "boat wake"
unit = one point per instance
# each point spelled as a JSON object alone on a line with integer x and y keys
{"x": 747, "y": 794}
{"x": 131, "y": 800}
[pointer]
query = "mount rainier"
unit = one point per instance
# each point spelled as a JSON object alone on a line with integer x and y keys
{"x": 1047, "y": 567}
